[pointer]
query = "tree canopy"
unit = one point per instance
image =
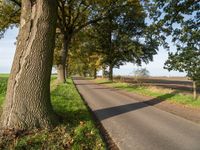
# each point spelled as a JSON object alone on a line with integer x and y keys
{"x": 181, "y": 20}
{"x": 9, "y": 14}
{"x": 123, "y": 36}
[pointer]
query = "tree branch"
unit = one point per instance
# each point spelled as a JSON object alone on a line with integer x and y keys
{"x": 16, "y": 2}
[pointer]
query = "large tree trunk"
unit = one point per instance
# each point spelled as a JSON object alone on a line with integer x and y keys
{"x": 27, "y": 103}
{"x": 194, "y": 90}
{"x": 95, "y": 73}
{"x": 64, "y": 59}
{"x": 60, "y": 73}
{"x": 110, "y": 73}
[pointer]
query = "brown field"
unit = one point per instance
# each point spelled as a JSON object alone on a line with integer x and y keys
{"x": 175, "y": 83}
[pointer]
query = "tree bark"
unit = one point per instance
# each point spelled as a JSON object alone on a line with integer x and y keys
{"x": 60, "y": 72}
{"x": 64, "y": 59}
{"x": 95, "y": 73}
{"x": 194, "y": 90}
{"x": 62, "y": 66}
{"x": 27, "y": 103}
{"x": 110, "y": 73}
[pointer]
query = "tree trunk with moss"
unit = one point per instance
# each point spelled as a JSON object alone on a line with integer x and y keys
{"x": 27, "y": 103}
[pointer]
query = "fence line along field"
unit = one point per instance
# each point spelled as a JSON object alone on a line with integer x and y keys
{"x": 176, "y": 83}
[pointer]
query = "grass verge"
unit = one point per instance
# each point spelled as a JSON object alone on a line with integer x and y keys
{"x": 77, "y": 130}
{"x": 3, "y": 85}
{"x": 170, "y": 95}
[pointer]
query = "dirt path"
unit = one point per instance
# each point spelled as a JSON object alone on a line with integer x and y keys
{"x": 180, "y": 84}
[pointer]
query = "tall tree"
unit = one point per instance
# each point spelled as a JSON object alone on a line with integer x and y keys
{"x": 124, "y": 37}
{"x": 74, "y": 15}
{"x": 186, "y": 60}
{"x": 27, "y": 103}
{"x": 181, "y": 20}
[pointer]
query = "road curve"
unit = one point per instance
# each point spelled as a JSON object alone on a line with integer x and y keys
{"x": 134, "y": 125}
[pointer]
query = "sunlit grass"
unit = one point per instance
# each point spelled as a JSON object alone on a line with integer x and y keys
{"x": 76, "y": 131}
{"x": 4, "y": 75}
{"x": 3, "y": 85}
{"x": 155, "y": 92}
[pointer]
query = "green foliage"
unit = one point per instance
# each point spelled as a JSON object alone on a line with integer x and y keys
{"x": 85, "y": 133}
{"x": 3, "y": 86}
{"x": 186, "y": 60}
{"x": 57, "y": 50}
{"x": 9, "y": 14}
{"x": 74, "y": 16}
{"x": 76, "y": 130}
{"x": 122, "y": 37}
{"x": 115, "y": 29}
{"x": 82, "y": 60}
{"x": 179, "y": 17}
{"x": 181, "y": 20}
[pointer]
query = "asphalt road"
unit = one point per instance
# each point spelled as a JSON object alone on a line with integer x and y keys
{"x": 134, "y": 125}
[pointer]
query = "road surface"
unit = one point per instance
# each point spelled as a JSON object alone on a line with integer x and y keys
{"x": 134, "y": 125}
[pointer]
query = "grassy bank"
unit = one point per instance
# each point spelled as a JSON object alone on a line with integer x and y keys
{"x": 3, "y": 85}
{"x": 173, "y": 96}
{"x": 77, "y": 130}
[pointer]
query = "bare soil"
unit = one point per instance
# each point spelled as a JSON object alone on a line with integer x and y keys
{"x": 176, "y": 83}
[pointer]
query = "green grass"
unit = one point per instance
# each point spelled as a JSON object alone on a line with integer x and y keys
{"x": 77, "y": 130}
{"x": 4, "y": 75}
{"x": 3, "y": 85}
{"x": 160, "y": 93}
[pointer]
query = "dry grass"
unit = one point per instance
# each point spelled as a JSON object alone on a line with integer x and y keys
{"x": 160, "y": 90}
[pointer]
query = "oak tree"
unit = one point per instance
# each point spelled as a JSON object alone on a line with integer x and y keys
{"x": 181, "y": 20}
{"x": 27, "y": 104}
{"x": 123, "y": 36}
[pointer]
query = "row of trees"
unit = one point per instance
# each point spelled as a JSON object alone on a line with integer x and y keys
{"x": 113, "y": 30}
{"x": 121, "y": 37}
{"x": 89, "y": 35}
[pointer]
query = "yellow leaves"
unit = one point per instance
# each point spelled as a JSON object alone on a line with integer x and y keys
{"x": 82, "y": 123}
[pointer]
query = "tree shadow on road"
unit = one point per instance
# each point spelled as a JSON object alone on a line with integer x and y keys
{"x": 118, "y": 110}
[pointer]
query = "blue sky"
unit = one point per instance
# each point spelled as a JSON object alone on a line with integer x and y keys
{"x": 7, "y": 50}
